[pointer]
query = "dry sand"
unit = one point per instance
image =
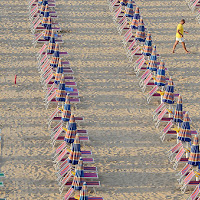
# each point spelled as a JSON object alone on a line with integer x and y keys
{"x": 130, "y": 158}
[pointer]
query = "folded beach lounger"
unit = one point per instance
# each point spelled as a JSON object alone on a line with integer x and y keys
{"x": 38, "y": 39}
{"x": 50, "y": 77}
{"x": 154, "y": 93}
{"x": 144, "y": 77}
{"x": 157, "y": 111}
{"x": 52, "y": 99}
{"x": 179, "y": 158}
{"x": 118, "y": 14}
{"x": 113, "y": 5}
{"x": 67, "y": 180}
{"x": 52, "y": 89}
{"x": 167, "y": 131}
{"x": 65, "y": 162}
{"x": 194, "y": 4}
{"x": 128, "y": 38}
{"x": 37, "y": 22}
{"x": 44, "y": 65}
{"x": 56, "y": 116}
{"x": 65, "y": 152}
{"x": 57, "y": 135}
{"x": 147, "y": 81}
{"x": 185, "y": 171}
{"x": 68, "y": 167}
{"x": 64, "y": 145}
{"x": 70, "y": 192}
{"x": 162, "y": 118}
{"x": 124, "y": 26}
{"x": 173, "y": 151}
{"x": 188, "y": 181}
{"x": 195, "y": 194}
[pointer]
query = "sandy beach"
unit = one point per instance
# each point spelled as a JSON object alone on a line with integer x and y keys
{"x": 128, "y": 153}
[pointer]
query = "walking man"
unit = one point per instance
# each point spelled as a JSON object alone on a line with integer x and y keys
{"x": 179, "y": 36}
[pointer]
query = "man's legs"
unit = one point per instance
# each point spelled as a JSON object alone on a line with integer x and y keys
{"x": 176, "y": 42}
{"x": 183, "y": 44}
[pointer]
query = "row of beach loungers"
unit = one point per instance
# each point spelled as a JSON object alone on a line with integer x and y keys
{"x": 73, "y": 162}
{"x": 169, "y": 117}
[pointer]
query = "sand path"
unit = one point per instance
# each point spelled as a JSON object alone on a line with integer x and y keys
{"x": 128, "y": 153}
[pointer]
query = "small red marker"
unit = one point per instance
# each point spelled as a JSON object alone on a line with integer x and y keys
{"x": 15, "y": 79}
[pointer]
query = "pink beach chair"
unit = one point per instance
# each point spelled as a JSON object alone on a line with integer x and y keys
{"x": 187, "y": 180}
{"x": 113, "y": 5}
{"x": 146, "y": 82}
{"x": 56, "y": 116}
{"x": 183, "y": 172}
{"x": 174, "y": 150}
{"x": 152, "y": 93}
{"x": 195, "y": 194}
{"x": 157, "y": 111}
{"x": 178, "y": 158}
{"x": 66, "y": 168}
{"x": 166, "y": 130}
{"x": 57, "y": 135}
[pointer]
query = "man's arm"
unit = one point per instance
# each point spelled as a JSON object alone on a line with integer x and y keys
{"x": 180, "y": 33}
{"x": 185, "y": 31}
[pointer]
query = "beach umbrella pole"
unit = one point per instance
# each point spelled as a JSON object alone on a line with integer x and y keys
{"x": 170, "y": 107}
{"x": 187, "y": 153}
{"x": 197, "y": 176}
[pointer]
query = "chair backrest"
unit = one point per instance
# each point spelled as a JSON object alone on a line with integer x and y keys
{"x": 42, "y": 49}
{"x": 122, "y": 20}
{"x": 114, "y": 2}
{"x": 36, "y": 25}
{"x": 35, "y": 8}
{"x": 61, "y": 147}
{"x": 67, "y": 177}
{"x": 185, "y": 169}
{"x": 50, "y": 90}
{"x": 31, "y": 2}
{"x": 127, "y": 33}
{"x": 68, "y": 194}
{"x": 135, "y": 50}
{"x": 163, "y": 112}
{"x": 195, "y": 3}
{"x": 39, "y": 35}
{"x": 118, "y": 12}
{"x": 153, "y": 91}
{"x": 65, "y": 169}
{"x": 168, "y": 127}
{"x": 132, "y": 44}
{"x": 51, "y": 96}
{"x": 158, "y": 108}
{"x": 140, "y": 59}
{"x": 57, "y": 126}
{"x": 44, "y": 58}
{"x": 46, "y": 70}
{"x": 36, "y": 19}
{"x": 45, "y": 66}
{"x": 176, "y": 147}
{"x": 124, "y": 25}
{"x": 179, "y": 154}
{"x": 195, "y": 193}
{"x": 129, "y": 37}
{"x": 58, "y": 132}
{"x": 62, "y": 154}
{"x": 189, "y": 177}
{"x": 53, "y": 114}
{"x": 49, "y": 78}
{"x": 149, "y": 77}
{"x": 146, "y": 73}
{"x": 141, "y": 64}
